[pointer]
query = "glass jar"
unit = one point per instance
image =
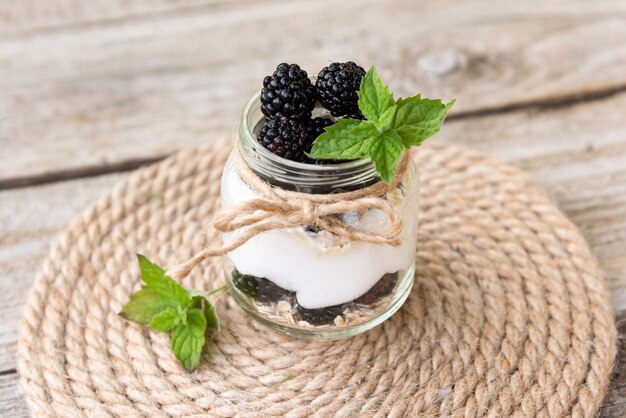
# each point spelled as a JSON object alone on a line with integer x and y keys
{"x": 309, "y": 283}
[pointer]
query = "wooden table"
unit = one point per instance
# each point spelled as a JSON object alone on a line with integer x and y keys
{"x": 90, "y": 90}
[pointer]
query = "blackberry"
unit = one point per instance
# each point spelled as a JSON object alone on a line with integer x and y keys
{"x": 381, "y": 289}
{"x": 259, "y": 288}
{"x": 321, "y": 316}
{"x": 288, "y": 92}
{"x": 337, "y": 86}
{"x": 288, "y": 138}
{"x": 316, "y": 126}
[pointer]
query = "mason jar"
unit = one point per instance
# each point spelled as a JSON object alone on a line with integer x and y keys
{"x": 307, "y": 282}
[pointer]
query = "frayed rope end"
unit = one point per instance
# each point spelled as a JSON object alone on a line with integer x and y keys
{"x": 180, "y": 271}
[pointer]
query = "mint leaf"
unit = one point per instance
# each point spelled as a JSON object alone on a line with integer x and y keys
{"x": 201, "y": 301}
{"x": 418, "y": 119}
{"x": 155, "y": 278}
{"x": 151, "y": 273}
{"x": 374, "y": 96}
{"x": 212, "y": 320}
{"x": 166, "y": 319}
{"x": 188, "y": 338}
{"x": 197, "y": 296}
{"x": 387, "y": 119}
{"x": 163, "y": 304}
{"x": 159, "y": 293}
{"x": 385, "y": 153}
{"x": 145, "y": 304}
{"x": 391, "y": 127}
{"x": 347, "y": 139}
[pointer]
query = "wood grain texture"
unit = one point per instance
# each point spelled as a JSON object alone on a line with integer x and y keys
{"x": 30, "y": 16}
{"x": 85, "y": 97}
{"x": 12, "y": 404}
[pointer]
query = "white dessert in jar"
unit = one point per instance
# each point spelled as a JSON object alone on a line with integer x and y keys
{"x": 315, "y": 266}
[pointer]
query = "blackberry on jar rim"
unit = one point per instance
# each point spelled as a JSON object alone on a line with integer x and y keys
{"x": 337, "y": 88}
{"x": 288, "y": 92}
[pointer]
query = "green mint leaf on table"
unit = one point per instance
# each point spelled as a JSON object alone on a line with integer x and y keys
{"x": 208, "y": 310}
{"x": 151, "y": 273}
{"x": 166, "y": 320}
{"x": 391, "y": 127}
{"x": 159, "y": 293}
{"x": 169, "y": 289}
{"x": 188, "y": 338}
{"x": 164, "y": 305}
{"x": 144, "y": 305}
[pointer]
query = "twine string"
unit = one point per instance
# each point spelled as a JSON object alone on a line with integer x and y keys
{"x": 282, "y": 209}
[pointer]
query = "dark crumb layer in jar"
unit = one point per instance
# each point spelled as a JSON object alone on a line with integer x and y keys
{"x": 266, "y": 292}
{"x": 382, "y": 288}
{"x": 259, "y": 288}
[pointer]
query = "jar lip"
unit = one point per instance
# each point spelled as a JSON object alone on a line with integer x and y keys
{"x": 247, "y": 131}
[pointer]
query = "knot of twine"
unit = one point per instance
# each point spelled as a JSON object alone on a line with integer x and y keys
{"x": 281, "y": 209}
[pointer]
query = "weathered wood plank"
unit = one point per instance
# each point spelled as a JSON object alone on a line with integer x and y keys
{"x": 28, "y": 16}
{"x": 12, "y": 404}
{"x": 106, "y": 94}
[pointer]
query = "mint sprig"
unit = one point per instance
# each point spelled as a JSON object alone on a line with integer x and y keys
{"x": 391, "y": 127}
{"x": 164, "y": 305}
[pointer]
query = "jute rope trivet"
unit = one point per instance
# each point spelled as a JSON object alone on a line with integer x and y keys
{"x": 509, "y": 315}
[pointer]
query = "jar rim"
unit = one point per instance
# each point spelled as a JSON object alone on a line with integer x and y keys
{"x": 248, "y": 132}
{"x": 293, "y": 175}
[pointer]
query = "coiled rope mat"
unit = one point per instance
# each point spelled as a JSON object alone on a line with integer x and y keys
{"x": 509, "y": 315}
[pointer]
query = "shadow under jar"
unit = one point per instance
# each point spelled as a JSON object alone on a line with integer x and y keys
{"x": 309, "y": 283}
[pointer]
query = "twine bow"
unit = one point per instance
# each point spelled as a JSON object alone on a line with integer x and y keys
{"x": 283, "y": 209}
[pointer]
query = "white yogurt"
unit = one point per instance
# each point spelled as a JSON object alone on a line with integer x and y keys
{"x": 321, "y": 272}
